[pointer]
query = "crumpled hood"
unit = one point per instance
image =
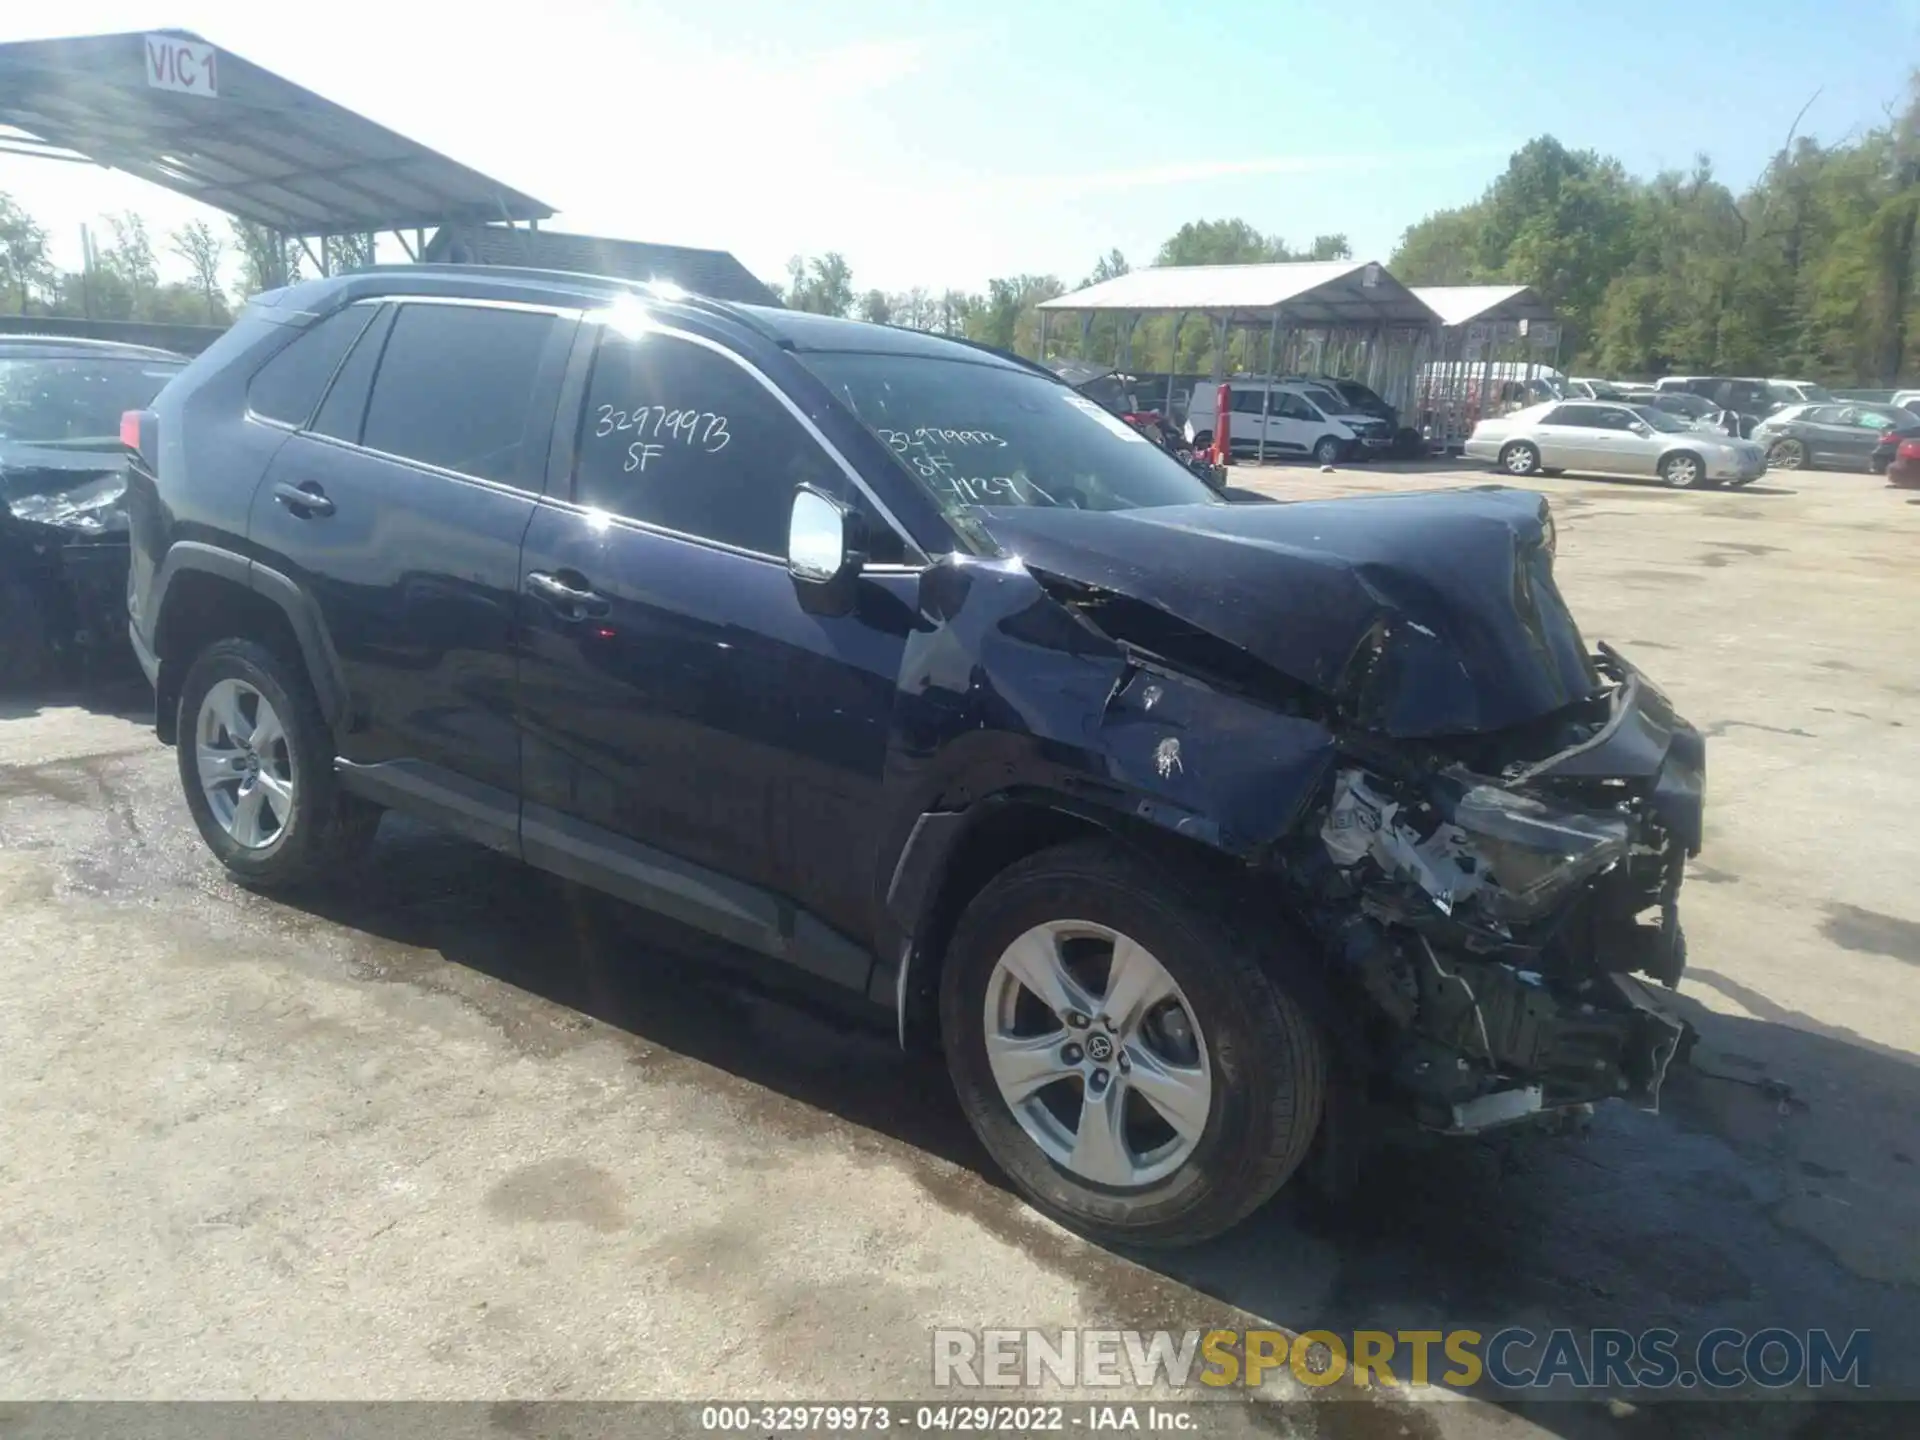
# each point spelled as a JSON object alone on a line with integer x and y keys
{"x": 80, "y": 490}
{"x": 1418, "y": 615}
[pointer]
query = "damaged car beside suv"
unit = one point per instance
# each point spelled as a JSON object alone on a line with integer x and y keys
{"x": 63, "y": 533}
{"x": 1192, "y": 833}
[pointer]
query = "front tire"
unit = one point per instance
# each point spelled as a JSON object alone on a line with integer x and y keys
{"x": 256, "y": 762}
{"x": 1121, "y": 1054}
{"x": 1327, "y": 451}
{"x": 1683, "y": 471}
{"x": 1520, "y": 459}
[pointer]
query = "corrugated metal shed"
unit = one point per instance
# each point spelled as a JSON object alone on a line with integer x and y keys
{"x": 258, "y": 146}
{"x": 1307, "y": 292}
{"x": 1463, "y": 304}
{"x": 713, "y": 273}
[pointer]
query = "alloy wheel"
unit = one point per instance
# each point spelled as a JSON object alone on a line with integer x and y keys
{"x": 1681, "y": 472}
{"x": 1520, "y": 460}
{"x": 1787, "y": 455}
{"x": 1097, "y": 1053}
{"x": 246, "y": 769}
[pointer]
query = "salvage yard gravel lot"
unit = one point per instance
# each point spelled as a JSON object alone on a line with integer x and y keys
{"x": 458, "y": 1130}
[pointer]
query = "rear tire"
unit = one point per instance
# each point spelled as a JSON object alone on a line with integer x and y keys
{"x": 1520, "y": 459}
{"x": 1255, "y": 1053}
{"x": 1787, "y": 455}
{"x": 256, "y": 763}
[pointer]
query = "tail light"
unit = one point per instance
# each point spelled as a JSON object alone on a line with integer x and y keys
{"x": 1888, "y": 435}
{"x": 1910, "y": 450}
{"x": 136, "y": 432}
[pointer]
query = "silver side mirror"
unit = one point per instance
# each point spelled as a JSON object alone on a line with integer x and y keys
{"x": 826, "y": 546}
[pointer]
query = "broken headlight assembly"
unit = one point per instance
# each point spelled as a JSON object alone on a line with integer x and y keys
{"x": 1511, "y": 857}
{"x": 1536, "y": 855}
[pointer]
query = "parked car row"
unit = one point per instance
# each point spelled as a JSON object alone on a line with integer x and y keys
{"x": 1799, "y": 425}
{"x": 1600, "y": 438}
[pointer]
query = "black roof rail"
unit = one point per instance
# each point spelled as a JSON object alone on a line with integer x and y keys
{"x": 576, "y": 280}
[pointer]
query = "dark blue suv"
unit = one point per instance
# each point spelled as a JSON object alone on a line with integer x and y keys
{"x": 1190, "y": 831}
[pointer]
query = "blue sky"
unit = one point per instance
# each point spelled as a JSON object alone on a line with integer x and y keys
{"x": 941, "y": 143}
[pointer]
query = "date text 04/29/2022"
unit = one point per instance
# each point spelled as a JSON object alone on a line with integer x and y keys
{"x": 963, "y": 1418}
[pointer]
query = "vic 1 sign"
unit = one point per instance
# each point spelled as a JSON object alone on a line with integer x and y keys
{"x": 183, "y": 65}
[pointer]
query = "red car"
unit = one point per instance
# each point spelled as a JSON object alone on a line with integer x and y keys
{"x": 1904, "y": 470}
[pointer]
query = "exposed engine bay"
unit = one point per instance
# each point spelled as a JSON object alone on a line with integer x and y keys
{"x": 1498, "y": 922}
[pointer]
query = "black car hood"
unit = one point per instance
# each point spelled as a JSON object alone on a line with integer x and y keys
{"x": 69, "y": 489}
{"x": 1416, "y": 615}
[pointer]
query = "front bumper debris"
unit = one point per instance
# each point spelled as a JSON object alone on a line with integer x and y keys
{"x": 1496, "y": 923}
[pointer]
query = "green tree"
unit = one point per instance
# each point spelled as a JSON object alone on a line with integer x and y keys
{"x": 203, "y": 251}
{"x": 25, "y": 268}
{"x": 346, "y": 252}
{"x": 876, "y": 307}
{"x": 822, "y": 285}
{"x": 915, "y": 309}
{"x": 1009, "y": 319}
{"x": 954, "y": 312}
{"x": 130, "y": 259}
{"x": 268, "y": 259}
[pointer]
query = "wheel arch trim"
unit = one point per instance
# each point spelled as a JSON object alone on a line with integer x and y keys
{"x": 302, "y": 614}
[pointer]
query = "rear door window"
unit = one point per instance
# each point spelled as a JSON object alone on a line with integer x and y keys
{"x": 346, "y": 403}
{"x": 459, "y": 387}
{"x": 1586, "y": 416}
{"x": 289, "y": 386}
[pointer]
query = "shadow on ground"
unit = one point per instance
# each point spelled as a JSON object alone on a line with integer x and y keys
{"x": 107, "y": 687}
{"x": 1670, "y": 1221}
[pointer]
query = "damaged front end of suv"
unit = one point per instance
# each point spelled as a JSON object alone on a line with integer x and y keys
{"x": 1481, "y": 823}
{"x": 1497, "y": 920}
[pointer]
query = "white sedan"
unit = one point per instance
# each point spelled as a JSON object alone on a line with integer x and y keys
{"x": 1601, "y": 439}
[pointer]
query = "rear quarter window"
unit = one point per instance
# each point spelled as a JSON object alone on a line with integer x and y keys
{"x": 289, "y": 386}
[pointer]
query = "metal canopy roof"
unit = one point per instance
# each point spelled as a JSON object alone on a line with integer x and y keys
{"x": 714, "y": 273}
{"x": 258, "y": 147}
{"x": 1462, "y": 304}
{"x": 1306, "y": 292}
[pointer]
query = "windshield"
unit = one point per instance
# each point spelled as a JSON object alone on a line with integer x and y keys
{"x": 1796, "y": 393}
{"x": 1660, "y": 419}
{"x": 1110, "y": 391}
{"x": 977, "y": 435}
{"x": 1602, "y": 390}
{"x": 64, "y": 402}
{"x": 1330, "y": 402}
